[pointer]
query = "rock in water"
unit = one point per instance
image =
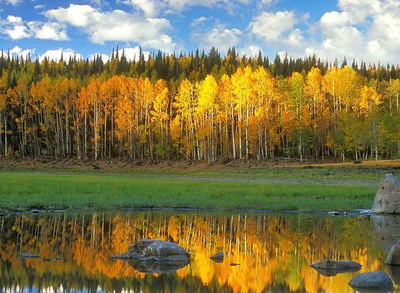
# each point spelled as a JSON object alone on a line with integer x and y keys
{"x": 336, "y": 265}
{"x": 155, "y": 256}
{"x": 372, "y": 281}
{"x": 28, "y": 255}
{"x": 158, "y": 250}
{"x": 393, "y": 257}
{"x": 218, "y": 257}
{"x": 330, "y": 268}
{"x": 387, "y": 199}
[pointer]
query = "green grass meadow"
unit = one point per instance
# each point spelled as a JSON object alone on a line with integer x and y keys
{"x": 23, "y": 191}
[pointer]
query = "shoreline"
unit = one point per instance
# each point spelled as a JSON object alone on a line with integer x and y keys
{"x": 354, "y": 213}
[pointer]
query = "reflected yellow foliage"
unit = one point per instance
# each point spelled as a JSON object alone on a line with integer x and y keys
{"x": 272, "y": 251}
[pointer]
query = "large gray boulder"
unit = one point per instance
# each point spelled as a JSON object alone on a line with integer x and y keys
{"x": 376, "y": 280}
{"x": 387, "y": 199}
{"x": 330, "y": 268}
{"x": 393, "y": 257}
{"x": 155, "y": 250}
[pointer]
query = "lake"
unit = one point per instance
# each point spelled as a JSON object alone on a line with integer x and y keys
{"x": 273, "y": 251}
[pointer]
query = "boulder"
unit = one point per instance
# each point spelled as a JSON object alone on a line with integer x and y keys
{"x": 387, "y": 199}
{"x": 336, "y": 265}
{"x": 376, "y": 280}
{"x": 155, "y": 250}
{"x": 393, "y": 257}
{"x": 218, "y": 257}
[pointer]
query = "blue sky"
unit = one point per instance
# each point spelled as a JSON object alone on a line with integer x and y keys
{"x": 360, "y": 29}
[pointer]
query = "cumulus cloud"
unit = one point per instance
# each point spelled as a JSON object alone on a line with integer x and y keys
{"x": 199, "y": 21}
{"x": 368, "y": 30}
{"x": 15, "y": 28}
{"x": 48, "y": 31}
{"x": 359, "y": 29}
{"x": 104, "y": 57}
{"x": 11, "y": 2}
{"x": 278, "y": 31}
{"x": 152, "y": 8}
{"x": 116, "y": 25}
{"x": 219, "y": 37}
{"x": 17, "y": 51}
{"x": 133, "y": 54}
{"x": 250, "y": 51}
{"x": 271, "y": 26}
{"x": 55, "y": 55}
{"x": 130, "y": 53}
{"x": 40, "y": 6}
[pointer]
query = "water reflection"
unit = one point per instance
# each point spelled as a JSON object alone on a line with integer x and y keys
{"x": 274, "y": 251}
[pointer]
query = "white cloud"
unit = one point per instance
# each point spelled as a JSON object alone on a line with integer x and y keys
{"x": 16, "y": 28}
{"x": 14, "y": 19}
{"x": 272, "y": 26}
{"x": 17, "y": 32}
{"x": 56, "y": 55}
{"x": 116, "y": 25}
{"x": 17, "y": 51}
{"x": 40, "y": 6}
{"x": 104, "y": 57}
{"x": 11, "y": 2}
{"x": 199, "y": 21}
{"x": 48, "y": 31}
{"x": 250, "y": 51}
{"x": 368, "y": 30}
{"x": 133, "y": 53}
{"x": 152, "y": 8}
{"x": 219, "y": 37}
{"x": 278, "y": 32}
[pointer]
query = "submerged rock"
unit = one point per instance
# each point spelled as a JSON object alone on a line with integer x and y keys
{"x": 28, "y": 255}
{"x": 52, "y": 259}
{"x": 218, "y": 257}
{"x": 393, "y": 257}
{"x": 330, "y": 268}
{"x": 336, "y": 265}
{"x": 387, "y": 199}
{"x": 376, "y": 280}
{"x": 155, "y": 250}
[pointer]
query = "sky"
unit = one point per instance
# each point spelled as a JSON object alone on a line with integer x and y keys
{"x": 366, "y": 30}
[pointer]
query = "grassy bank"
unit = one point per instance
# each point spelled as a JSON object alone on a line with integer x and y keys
{"x": 23, "y": 191}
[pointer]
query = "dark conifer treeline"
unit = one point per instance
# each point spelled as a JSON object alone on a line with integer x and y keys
{"x": 198, "y": 106}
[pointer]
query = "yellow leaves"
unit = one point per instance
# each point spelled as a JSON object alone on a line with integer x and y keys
{"x": 207, "y": 95}
{"x": 175, "y": 128}
{"x": 369, "y": 98}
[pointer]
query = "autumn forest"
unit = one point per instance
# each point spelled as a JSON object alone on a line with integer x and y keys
{"x": 198, "y": 106}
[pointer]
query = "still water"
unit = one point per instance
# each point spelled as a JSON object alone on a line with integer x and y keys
{"x": 273, "y": 251}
